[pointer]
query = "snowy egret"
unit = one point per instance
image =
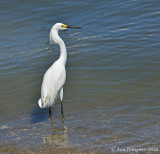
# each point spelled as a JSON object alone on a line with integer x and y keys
{"x": 55, "y": 76}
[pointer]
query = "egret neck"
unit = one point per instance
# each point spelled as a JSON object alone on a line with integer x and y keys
{"x": 63, "y": 52}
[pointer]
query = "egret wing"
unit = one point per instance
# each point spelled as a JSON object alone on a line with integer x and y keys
{"x": 53, "y": 81}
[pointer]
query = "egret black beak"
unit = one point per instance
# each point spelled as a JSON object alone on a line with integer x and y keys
{"x": 73, "y": 27}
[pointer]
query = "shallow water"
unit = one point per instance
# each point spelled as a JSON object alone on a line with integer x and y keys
{"x": 111, "y": 95}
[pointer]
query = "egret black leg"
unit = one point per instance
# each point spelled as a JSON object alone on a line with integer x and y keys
{"x": 62, "y": 109}
{"x": 50, "y": 111}
{"x": 50, "y": 114}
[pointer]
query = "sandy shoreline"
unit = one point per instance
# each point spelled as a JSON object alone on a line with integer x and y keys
{"x": 9, "y": 148}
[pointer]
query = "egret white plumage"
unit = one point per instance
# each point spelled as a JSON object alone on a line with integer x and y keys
{"x": 55, "y": 76}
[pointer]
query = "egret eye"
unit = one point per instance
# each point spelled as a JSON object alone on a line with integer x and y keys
{"x": 64, "y": 26}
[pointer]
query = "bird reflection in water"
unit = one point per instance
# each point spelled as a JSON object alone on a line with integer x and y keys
{"x": 58, "y": 137}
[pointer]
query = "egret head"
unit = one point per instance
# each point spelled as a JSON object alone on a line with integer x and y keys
{"x": 60, "y": 26}
{"x": 53, "y": 36}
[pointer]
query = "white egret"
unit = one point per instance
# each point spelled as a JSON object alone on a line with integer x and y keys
{"x": 55, "y": 76}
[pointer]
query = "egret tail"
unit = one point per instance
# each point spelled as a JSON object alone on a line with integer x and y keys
{"x": 40, "y": 103}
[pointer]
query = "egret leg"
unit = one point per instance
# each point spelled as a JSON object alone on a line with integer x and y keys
{"x": 61, "y": 98}
{"x": 50, "y": 114}
{"x": 62, "y": 110}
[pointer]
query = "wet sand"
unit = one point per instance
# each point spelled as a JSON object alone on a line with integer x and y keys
{"x": 47, "y": 149}
{"x": 9, "y": 148}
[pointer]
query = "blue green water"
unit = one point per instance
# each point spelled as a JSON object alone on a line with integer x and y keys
{"x": 112, "y": 91}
